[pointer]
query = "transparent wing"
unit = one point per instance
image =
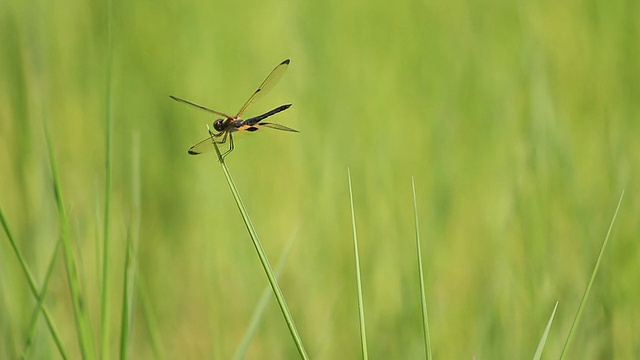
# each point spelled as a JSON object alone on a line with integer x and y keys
{"x": 207, "y": 144}
{"x": 255, "y": 123}
{"x": 266, "y": 85}
{"x": 202, "y": 147}
{"x": 237, "y": 132}
{"x": 277, "y": 127}
{"x": 247, "y": 128}
{"x": 199, "y": 107}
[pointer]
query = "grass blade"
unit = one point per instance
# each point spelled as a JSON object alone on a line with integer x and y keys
{"x": 34, "y": 288}
{"x": 263, "y": 258}
{"x": 256, "y": 317}
{"x": 423, "y": 298}
{"x": 41, "y": 297}
{"x": 150, "y": 318}
{"x": 83, "y": 327}
{"x": 104, "y": 303}
{"x": 576, "y": 320}
{"x": 127, "y": 294}
{"x": 543, "y": 340}
{"x": 131, "y": 254}
{"x": 363, "y": 332}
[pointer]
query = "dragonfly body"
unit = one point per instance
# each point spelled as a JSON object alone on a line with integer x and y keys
{"x": 226, "y": 126}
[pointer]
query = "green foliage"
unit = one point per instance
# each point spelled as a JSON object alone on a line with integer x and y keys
{"x": 519, "y": 121}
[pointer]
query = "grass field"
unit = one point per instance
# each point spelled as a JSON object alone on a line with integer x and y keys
{"x": 518, "y": 120}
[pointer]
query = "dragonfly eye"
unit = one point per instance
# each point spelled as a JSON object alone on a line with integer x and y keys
{"x": 218, "y": 124}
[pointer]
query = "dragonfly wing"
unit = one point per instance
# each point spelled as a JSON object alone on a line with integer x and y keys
{"x": 266, "y": 85}
{"x": 277, "y": 127}
{"x": 249, "y": 128}
{"x": 201, "y": 147}
{"x": 255, "y": 123}
{"x": 199, "y": 106}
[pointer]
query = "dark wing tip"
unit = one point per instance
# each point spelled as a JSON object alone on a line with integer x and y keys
{"x": 286, "y": 61}
{"x": 192, "y": 152}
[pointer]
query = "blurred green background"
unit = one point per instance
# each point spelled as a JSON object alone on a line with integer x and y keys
{"x": 518, "y": 120}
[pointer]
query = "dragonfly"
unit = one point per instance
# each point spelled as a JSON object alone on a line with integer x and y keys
{"x": 228, "y": 125}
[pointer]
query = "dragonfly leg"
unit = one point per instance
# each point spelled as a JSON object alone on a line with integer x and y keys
{"x": 230, "y": 144}
{"x": 211, "y": 133}
{"x": 215, "y": 138}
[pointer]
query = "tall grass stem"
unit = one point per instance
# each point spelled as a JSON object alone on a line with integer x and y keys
{"x": 78, "y": 299}
{"x": 545, "y": 334}
{"x": 34, "y": 288}
{"x": 587, "y": 291}
{"x": 104, "y": 302}
{"x": 423, "y": 298}
{"x": 363, "y": 330}
{"x": 263, "y": 257}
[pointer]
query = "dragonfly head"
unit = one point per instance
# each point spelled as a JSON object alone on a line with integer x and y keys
{"x": 220, "y": 124}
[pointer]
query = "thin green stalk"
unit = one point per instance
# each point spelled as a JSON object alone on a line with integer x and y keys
{"x": 33, "y": 287}
{"x": 150, "y": 318}
{"x": 104, "y": 303}
{"x": 576, "y": 320}
{"x": 363, "y": 332}
{"x": 127, "y": 295}
{"x": 78, "y": 300}
{"x": 263, "y": 258}
{"x": 262, "y": 304}
{"x": 41, "y": 297}
{"x": 423, "y": 298}
{"x": 545, "y": 334}
{"x": 132, "y": 240}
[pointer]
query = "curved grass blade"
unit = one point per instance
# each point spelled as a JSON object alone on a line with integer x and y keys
{"x": 41, "y": 297}
{"x": 131, "y": 253}
{"x": 263, "y": 257}
{"x": 127, "y": 293}
{"x": 363, "y": 332}
{"x": 543, "y": 340}
{"x": 83, "y": 328}
{"x": 33, "y": 287}
{"x": 262, "y": 304}
{"x": 150, "y": 318}
{"x": 423, "y": 298}
{"x": 576, "y": 320}
{"x": 104, "y": 303}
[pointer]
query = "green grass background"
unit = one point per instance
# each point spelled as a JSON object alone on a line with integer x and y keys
{"x": 518, "y": 119}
